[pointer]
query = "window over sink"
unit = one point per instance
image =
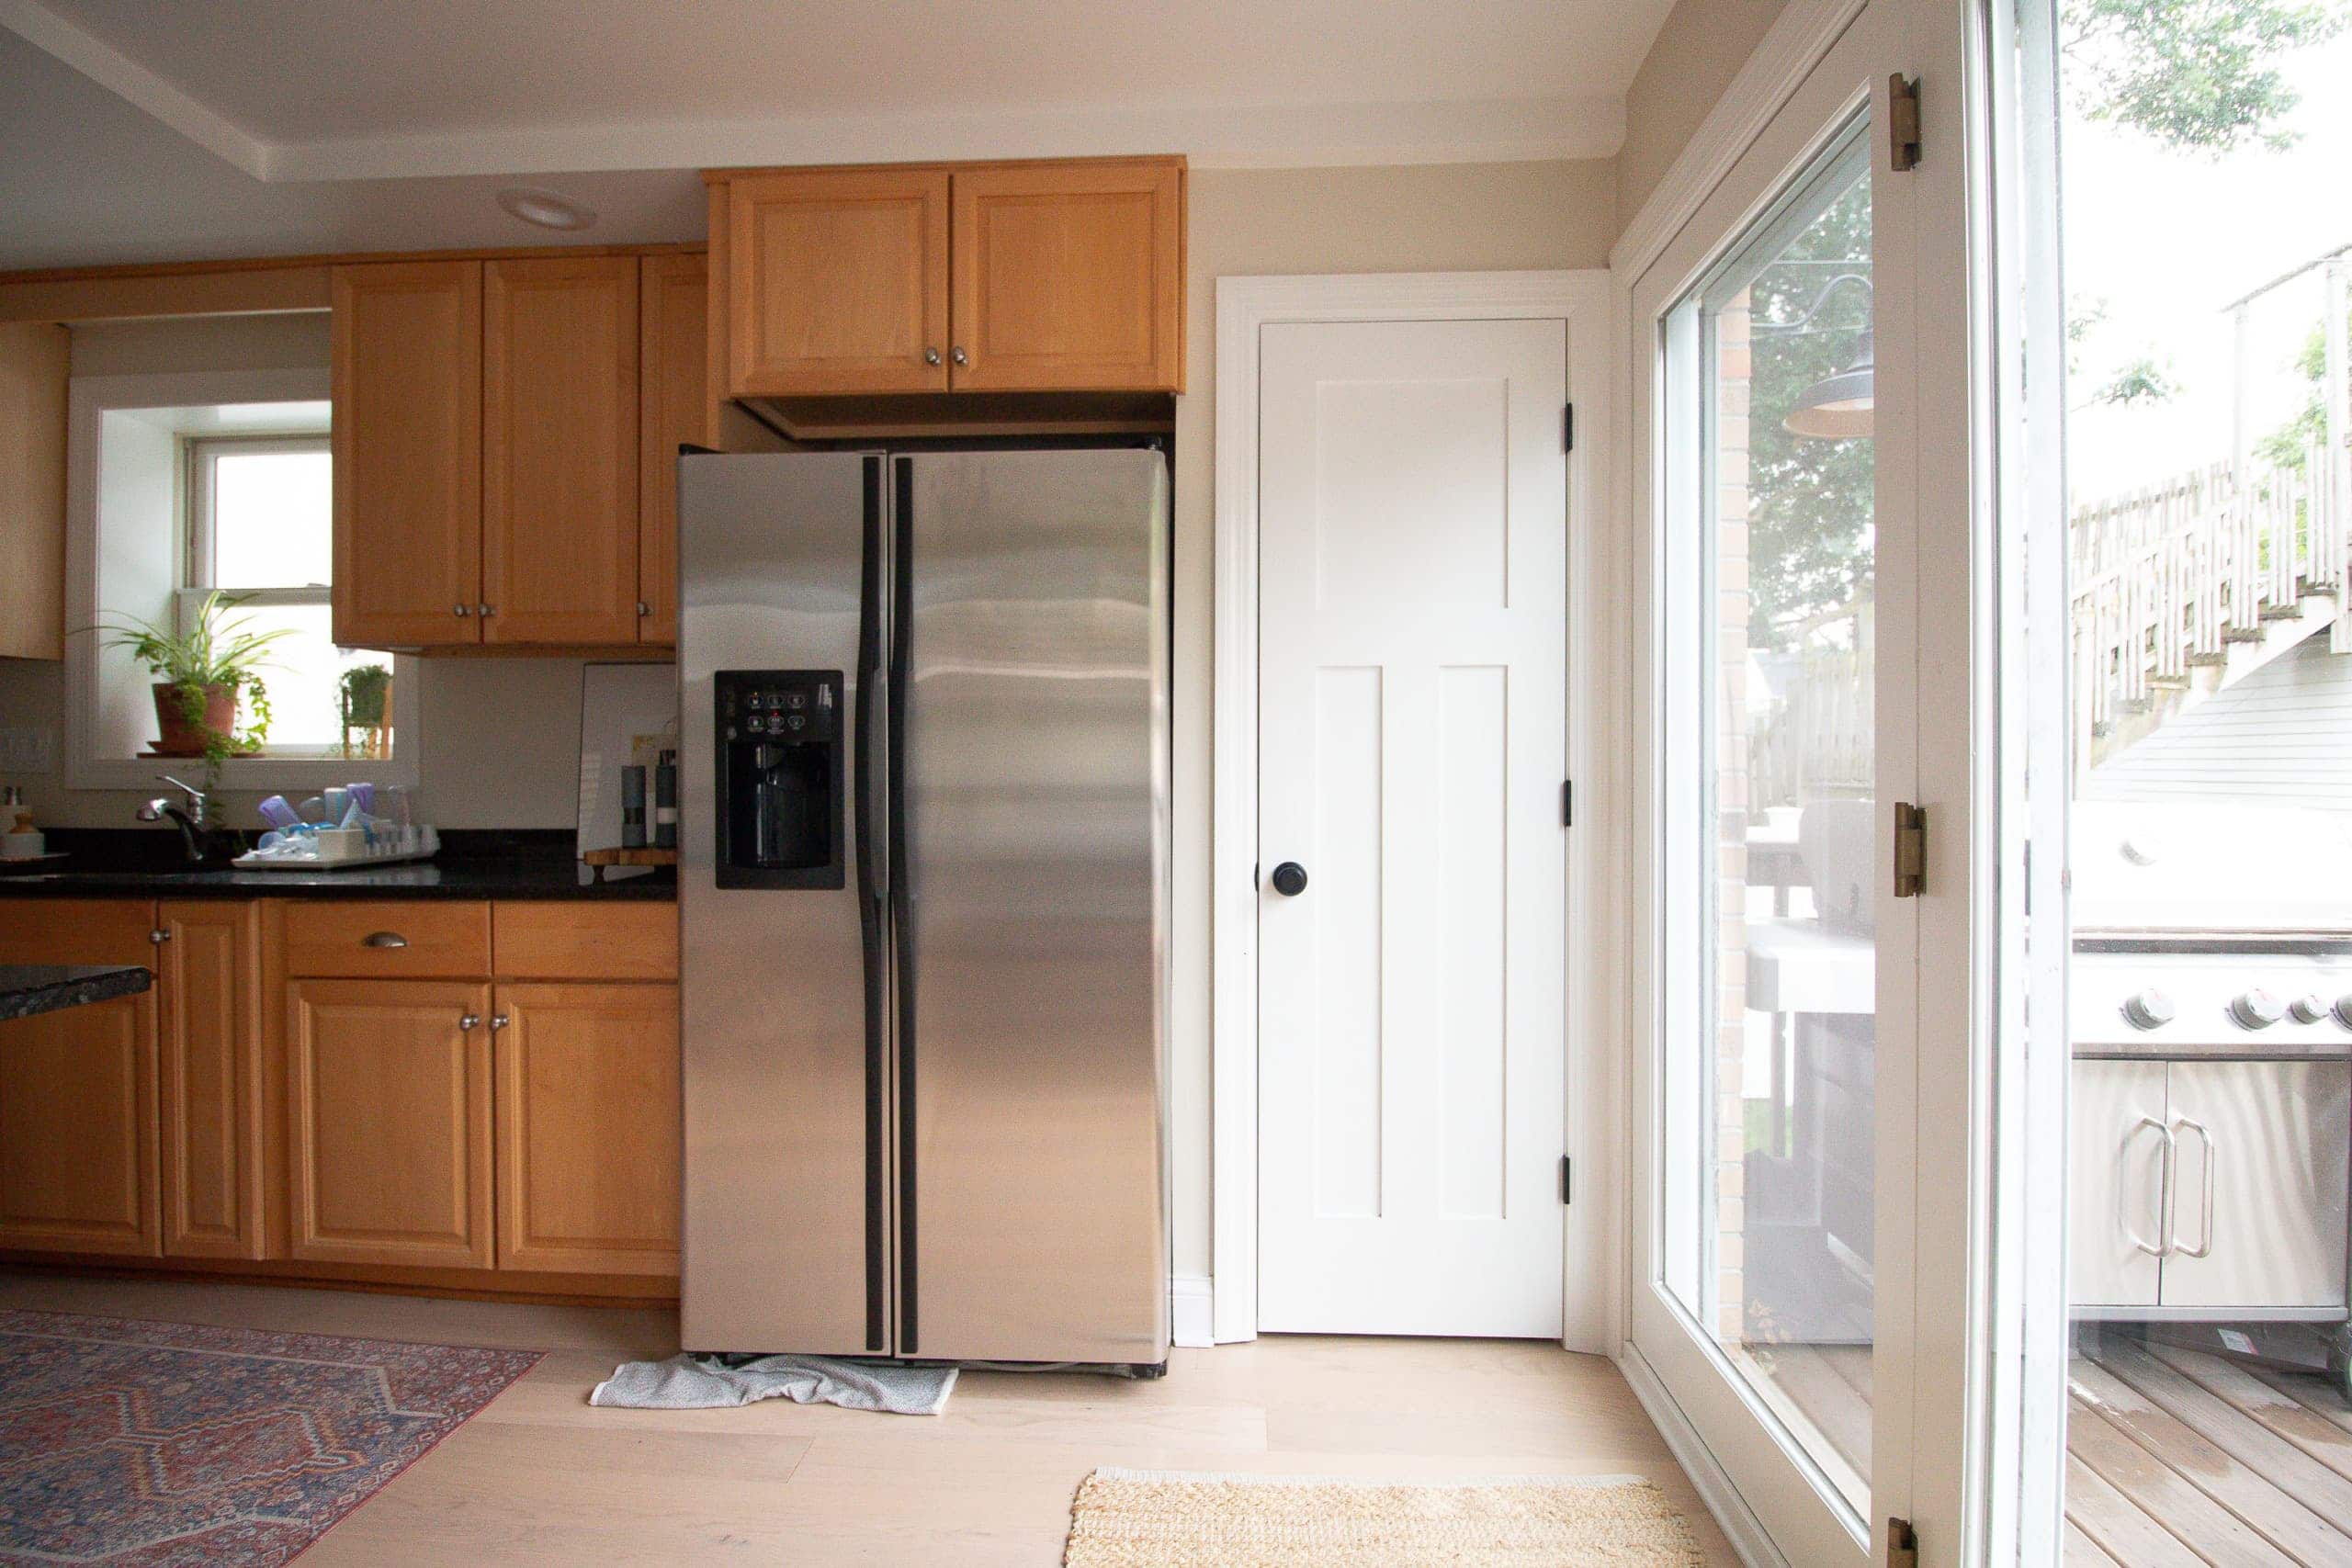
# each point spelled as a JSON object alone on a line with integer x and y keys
{"x": 183, "y": 487}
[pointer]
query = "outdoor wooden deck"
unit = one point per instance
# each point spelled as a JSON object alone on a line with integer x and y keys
{"x": 2175, "y": 1458}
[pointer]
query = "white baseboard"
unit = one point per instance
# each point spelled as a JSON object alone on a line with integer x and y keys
{"x": 1193, "y": 1323}
{"x": 1740, "y": 1525}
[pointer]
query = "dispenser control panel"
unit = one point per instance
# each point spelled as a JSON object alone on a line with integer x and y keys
{"x": 781, "y": 774}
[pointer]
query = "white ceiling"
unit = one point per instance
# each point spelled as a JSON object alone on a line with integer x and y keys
{"x": 132, "y": 129}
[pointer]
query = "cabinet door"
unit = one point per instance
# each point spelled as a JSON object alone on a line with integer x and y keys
{"x": 560, "y": 412}
{"x": 674, "y": 308}
{"x": 209, "y": 1039}
{"x": 1069, "y": 276}
{"x": 388, "y": 1122}
{"x": 77, "y": 1089}
{"x": 407, "y": 350}
{"x": 838, "y": 281}
{"x": 2261, "y": 1183}
{"x": 2116, "y": 1117}
{"x": 33, "y": 366}
{"x": 588, "y": 1097}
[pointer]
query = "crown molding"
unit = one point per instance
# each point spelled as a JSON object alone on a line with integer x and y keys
{"x": 1216, "y": 136}
{"x": 137, "y": 85}
{"x": 1803, "y": 33}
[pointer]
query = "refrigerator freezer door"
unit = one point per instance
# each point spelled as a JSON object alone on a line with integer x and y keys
{"x": 1033, "y": 1208}
{"x": 786, "y": 1242}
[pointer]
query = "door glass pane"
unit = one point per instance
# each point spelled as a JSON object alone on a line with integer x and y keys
{"x": 2208, "y": 523}
{"x": 1769, "y": 1071}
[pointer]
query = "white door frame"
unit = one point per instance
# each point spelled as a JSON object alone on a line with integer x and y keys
{"x": 1590, "y": 1296}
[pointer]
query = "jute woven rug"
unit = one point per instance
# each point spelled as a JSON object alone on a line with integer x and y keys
{"x": 1158, "y": 1519}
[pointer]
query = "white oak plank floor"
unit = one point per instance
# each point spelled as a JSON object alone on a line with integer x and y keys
{"x": 540, "y": 1477}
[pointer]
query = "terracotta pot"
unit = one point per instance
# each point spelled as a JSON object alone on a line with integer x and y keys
{"x": 181, "y": 738}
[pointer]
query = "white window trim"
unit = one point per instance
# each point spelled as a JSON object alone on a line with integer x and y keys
{"x": 89, "y": 400}
{"x": 1592, "y": 1304}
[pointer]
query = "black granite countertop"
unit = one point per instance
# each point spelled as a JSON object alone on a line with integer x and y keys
{"x": 27, "y": 990}
{"x": 132, "y": 863}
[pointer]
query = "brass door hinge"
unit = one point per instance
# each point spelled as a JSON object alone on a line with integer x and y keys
{"x": 1910, "y": 850}
{"x": 1902, "y": 1544}
{"x": 1902, "y": 122}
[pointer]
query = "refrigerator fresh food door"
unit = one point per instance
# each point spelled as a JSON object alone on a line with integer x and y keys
{"x": 1033, "y": 626}
{"x": 782, "y": 964}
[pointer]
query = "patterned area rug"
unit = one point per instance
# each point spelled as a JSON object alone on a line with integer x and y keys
{"x": 163, "y": 1444}
{"x": 1160, "y": 1518}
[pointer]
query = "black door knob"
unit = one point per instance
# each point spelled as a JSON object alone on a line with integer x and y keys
{"x": 1290, "y": 879}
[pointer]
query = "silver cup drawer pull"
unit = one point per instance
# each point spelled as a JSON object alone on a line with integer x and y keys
{"x": 383, "y": 939}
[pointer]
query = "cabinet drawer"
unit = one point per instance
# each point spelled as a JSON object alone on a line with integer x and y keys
{"x": 389, "y": 939}
{"x": 574, "y": 941}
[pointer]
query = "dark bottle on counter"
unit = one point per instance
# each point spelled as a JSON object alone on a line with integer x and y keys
{"x": 665, "y": 801}
{"x": 633, "y": 808}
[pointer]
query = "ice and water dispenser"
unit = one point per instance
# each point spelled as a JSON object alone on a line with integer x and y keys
{"x": 780, "y": 814}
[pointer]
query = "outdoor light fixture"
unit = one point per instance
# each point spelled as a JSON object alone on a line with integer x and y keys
{"x": 1839, "y": 407}
{"x": 545, "y": 207}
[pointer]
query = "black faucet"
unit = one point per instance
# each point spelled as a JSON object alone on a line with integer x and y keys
{"x": 202, "y": 840}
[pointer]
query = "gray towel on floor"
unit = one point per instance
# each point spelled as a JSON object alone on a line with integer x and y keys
{"x": 708, "y": 1383}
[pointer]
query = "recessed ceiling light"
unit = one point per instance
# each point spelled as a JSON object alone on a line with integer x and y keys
{"x": 545, "y": 207}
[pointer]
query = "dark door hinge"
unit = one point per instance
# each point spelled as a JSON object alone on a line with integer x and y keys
{"x": 1902, "y": 1544}
{"x": 1568, "y": 1187}
{"x": 1910, "y": 850}
{"x": 1568, "y": 803}
{"x": 1569, "y": 428}
{"x": 1902, "y": 122}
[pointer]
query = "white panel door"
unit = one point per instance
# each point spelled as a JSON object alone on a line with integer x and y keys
{"x": 1412, "y": 653}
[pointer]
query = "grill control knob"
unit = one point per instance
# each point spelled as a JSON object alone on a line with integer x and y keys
{"x": 2344, "y": 1010}
{"x": 2308, "y": 1009}
{"x": 2150, "y": 1009}
{"x": 2257, "y": 1009}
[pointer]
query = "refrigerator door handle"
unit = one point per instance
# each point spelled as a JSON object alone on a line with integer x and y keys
{"x": 873, "y": 874}
{"x": 902, "y": 893}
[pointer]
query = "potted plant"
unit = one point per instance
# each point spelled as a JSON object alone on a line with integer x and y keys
{"x": 364, "y": 695}
{"x": 202, "y": 677}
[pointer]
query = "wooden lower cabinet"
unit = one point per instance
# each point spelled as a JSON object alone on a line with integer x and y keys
{"x": 389, "y": 1121}
{"x": 209, "y": 1051}
{"x": 588, "y": 1128}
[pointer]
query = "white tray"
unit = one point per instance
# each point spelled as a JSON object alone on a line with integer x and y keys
{"x": 250, "y": 862}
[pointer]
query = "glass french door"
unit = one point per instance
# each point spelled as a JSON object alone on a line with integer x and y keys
{"x": 1806, "y": 1159}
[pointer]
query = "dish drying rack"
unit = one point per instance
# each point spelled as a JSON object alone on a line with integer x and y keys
{"x": 344, "y": 848}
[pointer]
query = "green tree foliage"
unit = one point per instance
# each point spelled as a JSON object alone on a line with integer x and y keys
{"x": 2285, "y": 447}
{"x": 2196, "y": 75}
{"x": 1809, "y": 537}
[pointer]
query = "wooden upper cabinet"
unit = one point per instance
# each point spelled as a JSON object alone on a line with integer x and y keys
{"x": 408, "y": 404}
{"x": 209, "y": 1053}
{"x": 77, "y": 1089}
{"x": 1070, "y": 277}
{"x": 560, "y": 450}
{"x": 33, "y": 365}
{"x": 674, "y": 308}
{"x": 838, "y": 281}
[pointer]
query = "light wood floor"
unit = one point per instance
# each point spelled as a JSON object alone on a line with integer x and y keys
{"x": 541, "y": 1477}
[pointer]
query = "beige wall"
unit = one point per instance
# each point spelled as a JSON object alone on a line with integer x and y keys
{"x": 502, "y": 737}
{"x": 1435, "y": 218}
{"x": 1697, "y": 52}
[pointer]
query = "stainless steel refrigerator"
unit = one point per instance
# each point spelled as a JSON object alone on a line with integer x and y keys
{"x": 924, "y": 804}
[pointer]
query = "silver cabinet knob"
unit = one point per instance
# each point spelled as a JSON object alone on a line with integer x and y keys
{"x": 2150, "y": 1009}
{"x": 461, "y": 611}
{"x": 468, "y": 1023}
{"x": 643, "y": 609}
{"x": 484, "y": 611}
{"x": 960, "y": 357}
{"x": 930, "y": 356}
{"x": 383, "y": 939}
{"x": 499, "y": 1020}
{"x": 2257, "y": 1009}
{"x": 2308, "y": 1009}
